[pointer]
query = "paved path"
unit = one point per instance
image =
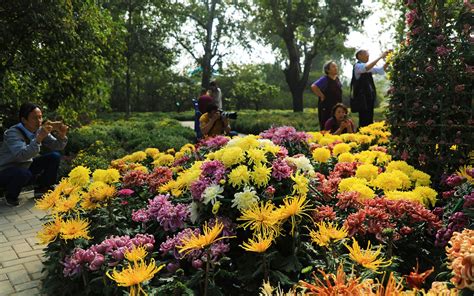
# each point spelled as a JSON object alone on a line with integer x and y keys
{"x": 20, "y": 253}
{"x": 189, "y": 124}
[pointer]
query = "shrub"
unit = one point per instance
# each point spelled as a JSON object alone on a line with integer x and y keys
{"x": 95, "y": 145}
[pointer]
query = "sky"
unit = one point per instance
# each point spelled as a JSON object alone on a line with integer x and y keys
{"x": 375, "y": 37}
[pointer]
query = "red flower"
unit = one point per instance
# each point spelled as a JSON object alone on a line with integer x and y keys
{"x": 415, "y": 280}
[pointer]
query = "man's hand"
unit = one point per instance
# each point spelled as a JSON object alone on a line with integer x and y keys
{"x": 62, "y": 131}
{"x": 216, "y": 116}
{"x": 43, "y": 132}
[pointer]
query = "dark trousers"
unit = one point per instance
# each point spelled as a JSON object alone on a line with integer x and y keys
{"x": 366, "y": 116}
{"x": 324, "y": 113}
{"x": 43, "y": 171}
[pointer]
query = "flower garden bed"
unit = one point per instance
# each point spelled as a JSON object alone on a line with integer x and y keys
{"x": 282, "y": 211}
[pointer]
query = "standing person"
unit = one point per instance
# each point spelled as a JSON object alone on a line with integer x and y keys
{"x": 363, "y": 92}
{"x": 216, "y": 94}
{"x": 339, "y": 123}
{"x": 204, "y": 100}
{"x": 20, "y": 161}
{"x": 328, "y": 88}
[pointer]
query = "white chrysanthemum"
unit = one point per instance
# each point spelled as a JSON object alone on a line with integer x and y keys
{"x": 194, "y": 211}
{"x": 244, "y": 200}
{"x": 212, "y": 193}
{"x": 302, "y": 164}
{"x": 265, "y": 142}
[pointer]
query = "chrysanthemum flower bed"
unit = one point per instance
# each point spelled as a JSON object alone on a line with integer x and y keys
{"x": 310, "y": 212}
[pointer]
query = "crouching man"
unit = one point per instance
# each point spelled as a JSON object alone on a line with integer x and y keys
{"x": 20, "y": 160}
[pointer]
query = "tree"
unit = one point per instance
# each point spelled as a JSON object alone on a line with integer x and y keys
{"x": 301, "y": 29}
{"x": 147, "y": 24}
{"x": 210, "y": 28}
{"x": 59, "y": 54}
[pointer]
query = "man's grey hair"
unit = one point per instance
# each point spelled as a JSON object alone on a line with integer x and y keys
{"x": 327, "y": 65}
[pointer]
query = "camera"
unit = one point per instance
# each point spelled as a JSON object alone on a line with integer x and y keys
{"x": 228, "y": 115}
{"x": 55, "y": 124}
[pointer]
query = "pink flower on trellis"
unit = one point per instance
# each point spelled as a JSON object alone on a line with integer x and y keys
{"x": 442, "y": 51}
{"x": 411, "y": 16}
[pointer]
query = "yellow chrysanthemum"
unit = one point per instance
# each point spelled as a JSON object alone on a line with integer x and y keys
{"x": 79, "y": 176}
{"x": 328, "y": 139}
{"x": 187, "y": 148}
{"x": 197, "y": 242}
{"x": 367, "y": 258}
{"x": 261, "y": 175}
{"x": 152, "y": 152}
{"x": 256, "y": 156}
{"x": 314, "y": 137}
{"x": 462, "y": 171}
{"x": 327, "y": 233}
{"x": 403, "y": 195}
{"x": 50, "y": 231}
{"x": 141, "y": 168}
{"x": 271, "y": 148}
{"x": 101, "y": 192}
{"x": 426, "y": 194}
{"x": 245, "y": 143}
{"x": 364, "y": 190}
{"x": 404, "y": 179}
{"x": 387, "y": 182}
{"x": 301, "y": 184}
{"x": 367, "y": 171}
{"x": 364, "y": 139}
{"x": 88, "y": 202}
{"x": 134, "y": 274}
{"x": 345, "y": 157}
{"x": 293, "y": 208}
{"x": 136, "y": 254}
{"x": 366, "y": 156}
{"x": 48, "y": 200}
{"x": 108, "y": 176}
{"x": 383, "y": 158}
{"x": 261, "y": 218}
{"x": 74, "y": 229}
{"x": 341, "y": 148}
{"x": 137, "y": 156}
{"x": 259, "y": 244}
{"x": 239, "y": 176}
{"x": 231, "y": 156}
{"x": 64, "y": 205}
{"x": 163, "y": 160}
{"x": 321, "y": 154}
{"x": 401, "y": 166}
{"x": 420, "y": 178}
{"x": 347, "y": 183}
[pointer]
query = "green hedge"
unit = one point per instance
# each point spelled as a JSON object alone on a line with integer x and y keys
{"x": 252, "y": 122}
{"x": 111, "y": 137}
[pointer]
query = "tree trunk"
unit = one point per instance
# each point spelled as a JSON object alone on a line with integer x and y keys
{"x": 206, "y": 59}
{"x": 128, "y": 106}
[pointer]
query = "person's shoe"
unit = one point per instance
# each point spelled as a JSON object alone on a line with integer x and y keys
{"x": 12, "y": 203}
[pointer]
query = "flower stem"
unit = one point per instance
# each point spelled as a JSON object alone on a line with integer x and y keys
{"x": 265, "y": 269}
{"x": 206, "y": 280}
